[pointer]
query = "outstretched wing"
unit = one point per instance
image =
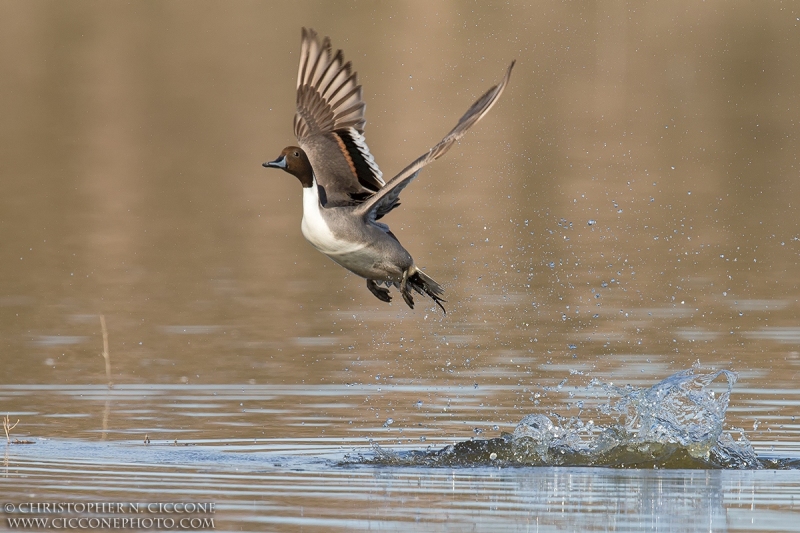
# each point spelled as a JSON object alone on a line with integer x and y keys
{"x": 329, "y": 123}
{"x": 385, "y": 199}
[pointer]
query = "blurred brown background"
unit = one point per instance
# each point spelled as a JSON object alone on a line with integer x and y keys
{"x": 631, "y": 199}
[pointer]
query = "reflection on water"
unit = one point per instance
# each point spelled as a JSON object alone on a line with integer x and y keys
{"x": 281, "y": 456}
{"x": 259, "y": 475}
{"x": 627, "y": 210}
{"x": 253, "y": 489}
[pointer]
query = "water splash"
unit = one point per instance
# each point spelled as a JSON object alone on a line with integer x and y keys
{"x": 677, "y": 423}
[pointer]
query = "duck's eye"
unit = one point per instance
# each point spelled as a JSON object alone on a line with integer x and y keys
{"x": 297, "y": 154}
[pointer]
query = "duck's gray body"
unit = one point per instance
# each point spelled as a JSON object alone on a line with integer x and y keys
{"x": 366, "y": 249}
{"x": 344, "y": 194}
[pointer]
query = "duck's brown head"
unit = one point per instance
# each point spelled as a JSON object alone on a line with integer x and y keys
{"x": 294, "y": 161}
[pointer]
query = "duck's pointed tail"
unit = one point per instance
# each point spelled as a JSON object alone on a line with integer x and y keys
{"x": 423, "y": 284}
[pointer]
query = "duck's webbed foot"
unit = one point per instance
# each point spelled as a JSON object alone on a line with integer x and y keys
{"x": 379, "y": 292}
{"x": 405, "y": 292}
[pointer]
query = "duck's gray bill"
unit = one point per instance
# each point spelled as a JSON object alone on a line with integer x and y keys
{"x": 278, "y": 163}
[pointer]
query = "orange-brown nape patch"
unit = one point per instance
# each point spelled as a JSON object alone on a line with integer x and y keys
{"x": 346, "y": 154}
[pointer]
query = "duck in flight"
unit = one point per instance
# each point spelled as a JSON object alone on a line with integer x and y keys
{"x": 344, "y": 194}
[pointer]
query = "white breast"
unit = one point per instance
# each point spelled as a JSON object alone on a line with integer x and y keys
{"x": 316, "y": 230}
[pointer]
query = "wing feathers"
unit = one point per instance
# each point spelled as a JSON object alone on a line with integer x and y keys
{"x": 385, "y": 199}
{"x": 367, "y": 171}
{"x": 328, "y": 94}
{"x": 330, "y": 108}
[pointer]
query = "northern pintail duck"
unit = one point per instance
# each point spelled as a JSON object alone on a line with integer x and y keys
{"x": 344, "y": 194}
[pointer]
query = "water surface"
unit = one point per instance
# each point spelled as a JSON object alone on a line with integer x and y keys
{"x": 626, "y": 211}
